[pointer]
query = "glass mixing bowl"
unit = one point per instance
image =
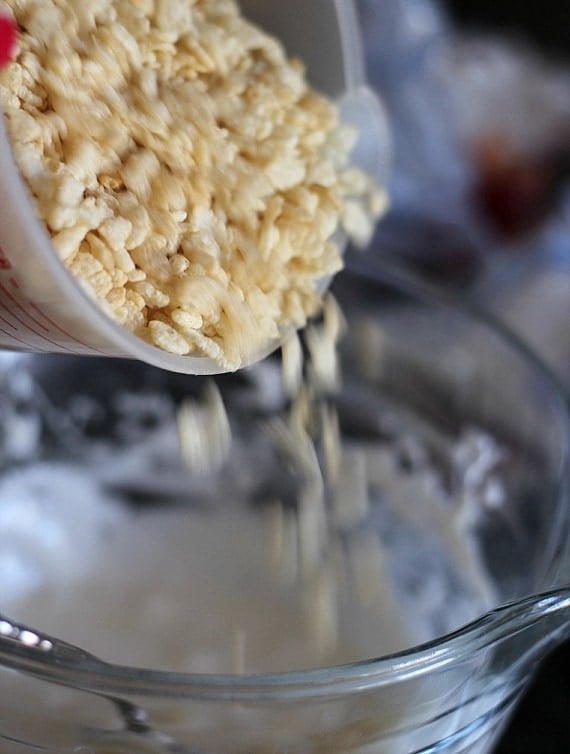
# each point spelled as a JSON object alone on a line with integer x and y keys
{"x": 466, "y": 444}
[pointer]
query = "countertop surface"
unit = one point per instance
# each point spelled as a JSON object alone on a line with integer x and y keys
{"x": 541, "y": 724}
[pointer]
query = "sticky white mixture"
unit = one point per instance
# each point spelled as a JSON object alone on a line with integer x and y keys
{"x": 265, "y": 548}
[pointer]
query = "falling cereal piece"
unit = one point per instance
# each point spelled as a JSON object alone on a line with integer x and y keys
{"x": 324, "y": 364}
{"x": 292, "y": 364}
{"x": 332, "y": 443}
{"x": 302, "y": 410}
{"x": 334, "y": 322}
{"x": 313, "y": 526}
{"x": 204, "y": 432}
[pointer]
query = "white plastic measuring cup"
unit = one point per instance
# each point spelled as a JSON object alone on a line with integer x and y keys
{"x": 43, "y": 308}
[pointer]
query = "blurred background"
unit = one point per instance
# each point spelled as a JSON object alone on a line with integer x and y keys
{"x": 544, "y": 26}
{"x": 541, "y": 724}
{"x": 478, "y": 92}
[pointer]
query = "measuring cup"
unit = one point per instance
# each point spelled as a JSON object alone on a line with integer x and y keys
{"x": 43, "y": 309}
{"x": 478, "y": 569}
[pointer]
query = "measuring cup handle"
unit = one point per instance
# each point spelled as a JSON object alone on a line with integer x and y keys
{"x": 362, "y": 109}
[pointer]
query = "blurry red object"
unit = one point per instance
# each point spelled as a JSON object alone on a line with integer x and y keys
{"x": 8, "y": 36}
{"x": 516, "y": 192}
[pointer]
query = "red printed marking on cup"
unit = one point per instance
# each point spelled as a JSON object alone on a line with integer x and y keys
{"x": 27, "y": 321}
{"x": 67, "y": 334}
{"x": 8, "y": 39}
{"x": 44, "y": 322}
{"x": 19, "y": 342}
{"x": 5, "y": 263}
{"x": 7, "y": 322}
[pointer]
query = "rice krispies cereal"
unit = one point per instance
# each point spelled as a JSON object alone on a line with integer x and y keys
{"x": 189, "y": 177}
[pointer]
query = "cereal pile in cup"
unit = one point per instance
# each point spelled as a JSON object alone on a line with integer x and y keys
{"x": 189, "y": 177}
